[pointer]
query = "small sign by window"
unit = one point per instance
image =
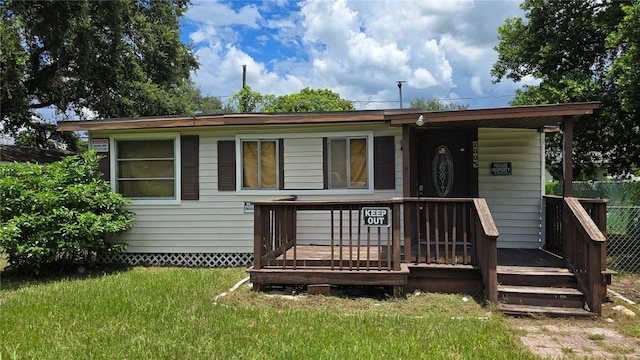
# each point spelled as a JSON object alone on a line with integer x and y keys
{"x": 100, "y": 145}
{"x": 501, "y": 168}
{"x": 376, "y": 216}
{"x": 248, "y": 207}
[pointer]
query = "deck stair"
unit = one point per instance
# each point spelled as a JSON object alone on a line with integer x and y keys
{"x": 531, "y": 290}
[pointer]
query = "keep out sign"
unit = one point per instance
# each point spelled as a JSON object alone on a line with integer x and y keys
{"x": 375, "y": 216}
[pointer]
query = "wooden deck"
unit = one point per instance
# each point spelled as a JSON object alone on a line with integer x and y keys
{"x": 528, "y": 258}
{"x": 371, "y": 257}
{"x": 448, "y": 245}
{"x": 335, "y": 265}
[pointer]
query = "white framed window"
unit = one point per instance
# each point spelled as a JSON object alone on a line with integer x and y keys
{"x": 146, "y": 168}
{"x": 291, "y": 176}
{"x": 348, "y": 162}
{"x": 260, "y": 164}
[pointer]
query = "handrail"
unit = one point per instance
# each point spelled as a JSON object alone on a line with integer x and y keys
{"x": 487, "y": 243}
{"x": 488, "y": 225}
{"x": 584, "y": 250}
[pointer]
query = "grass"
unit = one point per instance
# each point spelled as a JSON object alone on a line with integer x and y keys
{"x": 169, "y": 313}
{"x": 595, "y": 337}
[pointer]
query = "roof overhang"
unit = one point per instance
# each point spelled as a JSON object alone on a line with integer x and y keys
{"x": 239, "y": 119}
{"x": 530, "y": 117}
{"x": 527, "y": 117}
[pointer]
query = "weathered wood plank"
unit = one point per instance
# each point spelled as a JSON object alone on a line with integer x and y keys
{"x": 538, "y": 290}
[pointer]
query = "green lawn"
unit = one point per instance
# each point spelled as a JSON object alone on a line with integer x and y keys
{"x": 169, "y": 313}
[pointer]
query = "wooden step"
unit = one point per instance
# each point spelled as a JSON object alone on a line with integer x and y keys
{"x": 541, "y": 296}
{"x": 527, "y": 310}
{"x": 536, "y": 276}
{"x": 539, "y": 290}
{"x": 533, "y": 270}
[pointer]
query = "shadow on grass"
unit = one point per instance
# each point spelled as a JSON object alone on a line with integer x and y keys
{"x": 11, "y": 280}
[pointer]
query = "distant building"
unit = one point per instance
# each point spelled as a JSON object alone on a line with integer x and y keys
{"x": 12, "y": 153}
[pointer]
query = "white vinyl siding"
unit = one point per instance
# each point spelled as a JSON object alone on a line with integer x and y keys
{"x": 514, "y": 200}
{"x": 309, "y": 233}
{"x": 217, "y": 223}
{"x": 303, "y": 163}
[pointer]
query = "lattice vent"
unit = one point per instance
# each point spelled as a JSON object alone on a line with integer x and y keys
{"x": 180, "y": 259}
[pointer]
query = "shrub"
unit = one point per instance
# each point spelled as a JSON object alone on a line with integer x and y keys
{"x": 58, "y": 215}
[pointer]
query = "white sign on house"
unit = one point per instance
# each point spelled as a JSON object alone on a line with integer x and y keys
{"x": 100, "y": 145}
{"x": 376, "y": 216}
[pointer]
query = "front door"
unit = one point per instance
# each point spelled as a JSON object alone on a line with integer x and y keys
{"x": 445, "y": 163}
{"x": 445, "y": 169}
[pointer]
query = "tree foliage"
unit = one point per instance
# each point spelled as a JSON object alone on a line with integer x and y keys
{"x": 120, "y": 58}
{"x": 59, "y": 214}
{"x": 579, "y": 51}
{"x": 432, "y": 104}
{"x": 248, "y": 101}
{"x": 307, "y": 100}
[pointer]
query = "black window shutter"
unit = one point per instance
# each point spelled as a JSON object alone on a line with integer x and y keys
{"x": 281, "y": 163}
{"x": 189, "y": 161}
{"x": 325, "y": 164}
{"x": 226, "y": 165}
{"x": 384, "y": 159}
{"x": 104, "y": 166}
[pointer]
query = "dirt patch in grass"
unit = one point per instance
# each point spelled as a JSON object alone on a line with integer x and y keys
{"x": 357, "y": 300}
{"x": 588, "y": 340}
{"x": 612, "y": 336}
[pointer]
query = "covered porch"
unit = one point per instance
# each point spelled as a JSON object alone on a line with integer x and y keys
{"x": 442, "y": 234}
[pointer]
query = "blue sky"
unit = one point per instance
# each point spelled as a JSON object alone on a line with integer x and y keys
{"x": 359, "y": 49}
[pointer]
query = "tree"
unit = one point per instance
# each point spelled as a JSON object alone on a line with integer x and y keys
{"x": 120, "y": 58}
{"x": 432, "y": 104}
{"x": 309, "y": 100}
{"x": 576, "y": 48}
{"x": 58, "y": 215}
{"x": 203, "y": 104}
{"x": 248, "y": 100}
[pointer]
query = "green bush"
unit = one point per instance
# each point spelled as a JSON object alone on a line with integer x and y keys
{"x": 59, "y": 215}
{"x": 550, "y": 187}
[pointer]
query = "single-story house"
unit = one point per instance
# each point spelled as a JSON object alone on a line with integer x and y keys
{"x": 441, "y": 201}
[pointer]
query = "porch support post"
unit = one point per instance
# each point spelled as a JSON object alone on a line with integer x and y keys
{"x": 567, "y": 156}
{"x": 395, "y": 213}
{"x": 258, "y": 227}
{"x": 407, "y": 145}
{"x": 567, "y": 188}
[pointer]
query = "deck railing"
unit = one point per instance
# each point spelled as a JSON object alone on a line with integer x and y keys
{"x": 291, "y": 234}
{"x": 595, "y": 208}
{"x": 342, "y": 243}
{"x": 553, "y": 224}
{"x": 452, "y": 231}
{"x": 578, "y": 230}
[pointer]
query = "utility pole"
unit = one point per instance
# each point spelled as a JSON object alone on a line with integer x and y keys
{"x": 400, "y": 90}
{"x": 244, "y": 76}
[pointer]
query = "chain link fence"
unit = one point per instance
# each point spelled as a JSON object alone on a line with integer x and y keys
{"x": 623, "y": 219}
{"x": 623, "y": 238}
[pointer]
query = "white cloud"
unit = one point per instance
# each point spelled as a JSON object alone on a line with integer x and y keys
{"x": 356, "y": 48}
{"x": 476, "y": 85}
{"x": 214, "y": 12}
